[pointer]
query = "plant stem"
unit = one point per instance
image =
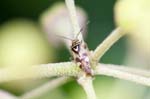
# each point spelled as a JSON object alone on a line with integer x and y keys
{"x": 6, "y": 95}
{"x": 52, "y": 84}
{"x": 107, "y": 43}
{"x": 86, "y": 83}
{"x": 73, "y": 16}
{"x": 69, "y": 69}
{"x": 103, "y": 69}
{"x": 40, "y": 71}
{"x": 132, "y": 70}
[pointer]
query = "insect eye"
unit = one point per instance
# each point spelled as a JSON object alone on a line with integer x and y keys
{"x": 76, "y": 49}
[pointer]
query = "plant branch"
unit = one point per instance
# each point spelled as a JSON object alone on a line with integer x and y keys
{"x": 86, "y": 83}
{"x": 107, "y": 43}
{"x": 132, "y": 70}
{"x": 40, "y": 71}
{"x": 47, "y": 87}
{"x": 107, "y": 70}
{"x": 73, "y": 16}
{"x": 68, "y": 69}
{"x": 6, "y": 95}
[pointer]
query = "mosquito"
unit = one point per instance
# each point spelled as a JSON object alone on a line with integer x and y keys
{"x": 80, "y": 53}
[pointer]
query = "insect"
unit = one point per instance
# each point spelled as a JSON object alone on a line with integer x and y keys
{"x": 80, "y": 53}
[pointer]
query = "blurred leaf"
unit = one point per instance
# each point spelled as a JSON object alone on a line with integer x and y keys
{"x": 23, "y": 44}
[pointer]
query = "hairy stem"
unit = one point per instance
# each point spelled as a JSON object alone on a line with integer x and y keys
{"x": 69, "y": 69}
{"x": 108, "y": 71}
{"x": 86, "y": 83}
{"x": 47, "y": 87}
{"x": 74, "y": 19}
{"x": 40, "y": 71}
{"x": 132, "y": 70}
{"x": 107, "y": 43}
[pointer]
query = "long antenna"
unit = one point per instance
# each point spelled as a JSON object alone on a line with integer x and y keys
{"x": 64, "y": 37}
{"x": 82, "y": 28}
{"x": 76, "y": 35}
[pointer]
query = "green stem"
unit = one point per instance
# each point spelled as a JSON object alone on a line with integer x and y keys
{"x": 107, "y": 43}
{"x": 87, "y": 84}
{"x": 47, "y": 87}
{"x": 74, "y": 19}
{"x": 40, "y": 71}
{"x": 107, "y": 70}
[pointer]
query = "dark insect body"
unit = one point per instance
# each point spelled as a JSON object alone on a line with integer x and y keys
{"x": 80, "y": 55}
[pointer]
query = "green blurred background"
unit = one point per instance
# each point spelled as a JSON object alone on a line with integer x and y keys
{"x": 100, "y": 13}
{"x": 101, "y": 16}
